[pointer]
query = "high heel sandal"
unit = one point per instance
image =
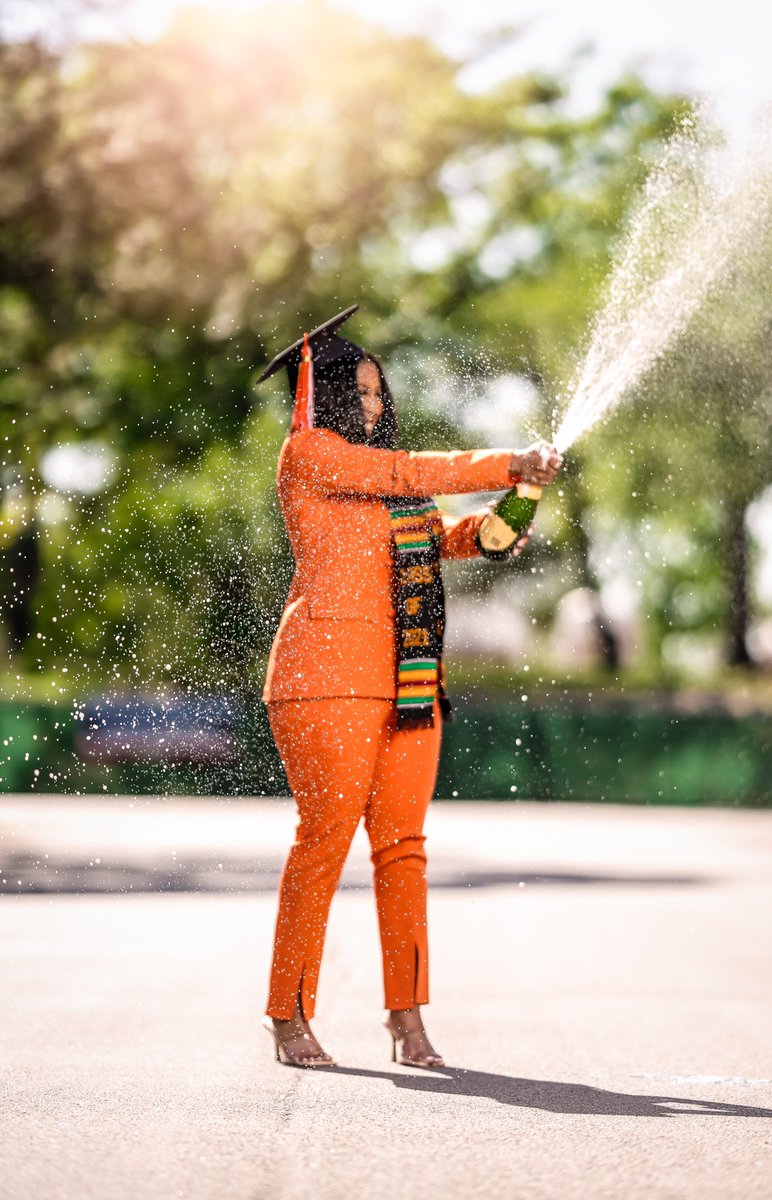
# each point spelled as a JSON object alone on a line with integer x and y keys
{"x": 424, "y": 1060}
{"x": 295, "y": 1060}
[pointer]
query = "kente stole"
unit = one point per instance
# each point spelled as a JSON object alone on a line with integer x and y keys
{"x": 419, "y": 600}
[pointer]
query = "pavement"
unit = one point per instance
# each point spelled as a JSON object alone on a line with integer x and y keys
{"x": 601, "y": 989}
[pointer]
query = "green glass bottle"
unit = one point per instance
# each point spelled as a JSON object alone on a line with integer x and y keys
{"x": 508, "y": 520}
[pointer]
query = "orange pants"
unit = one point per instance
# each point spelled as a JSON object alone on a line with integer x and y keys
{"x": 345, "y": 759}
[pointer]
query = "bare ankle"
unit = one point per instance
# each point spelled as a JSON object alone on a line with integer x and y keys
{"x": 406, "y": 1021}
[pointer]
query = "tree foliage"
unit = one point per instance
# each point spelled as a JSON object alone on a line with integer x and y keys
{"x": 175, "y": 210}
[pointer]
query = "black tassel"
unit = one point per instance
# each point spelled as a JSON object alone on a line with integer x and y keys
{"x": 415, "y": 720}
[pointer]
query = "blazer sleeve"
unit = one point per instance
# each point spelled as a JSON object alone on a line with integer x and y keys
{"x": 459, "y": 535}
{"x": 337, "y": 467}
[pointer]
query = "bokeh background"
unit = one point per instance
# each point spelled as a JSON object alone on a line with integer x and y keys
{"x": 183, "y": 190}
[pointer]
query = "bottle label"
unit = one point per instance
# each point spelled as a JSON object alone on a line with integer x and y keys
{"x": 495, "y": 535}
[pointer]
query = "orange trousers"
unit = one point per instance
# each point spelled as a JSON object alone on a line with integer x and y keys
{"x": 345, "y": 759}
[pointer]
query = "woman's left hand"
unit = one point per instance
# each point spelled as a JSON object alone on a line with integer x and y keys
{"x": 539, "y": 464}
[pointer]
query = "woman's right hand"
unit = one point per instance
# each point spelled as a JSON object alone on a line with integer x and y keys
{"x": 539, "y": 464}
{"x": 521, "y": 542}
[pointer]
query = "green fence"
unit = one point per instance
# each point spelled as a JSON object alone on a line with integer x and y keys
{"x": 495, "y": 749}
{"x": 631, "y": 755}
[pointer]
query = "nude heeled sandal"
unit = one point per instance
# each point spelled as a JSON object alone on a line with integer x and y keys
{"x": 404, "y": 1060}
{"x": 295, "y": 1060}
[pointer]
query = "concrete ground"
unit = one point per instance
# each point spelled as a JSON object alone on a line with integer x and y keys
{"x": 602, "y": 992}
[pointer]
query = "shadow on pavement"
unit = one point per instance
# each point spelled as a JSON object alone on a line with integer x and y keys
{"x": 24, "y": 875}
{"x": 553, "y": 1096}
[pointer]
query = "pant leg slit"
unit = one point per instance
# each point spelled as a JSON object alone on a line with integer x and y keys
{"x": 330, "y": 776}
{"x": 403, "y": 786}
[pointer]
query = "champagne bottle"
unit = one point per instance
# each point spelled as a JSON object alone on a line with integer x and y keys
{"x": 508, "y": 520}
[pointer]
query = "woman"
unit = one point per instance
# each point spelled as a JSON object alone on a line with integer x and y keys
{"x": 354, "y": 682}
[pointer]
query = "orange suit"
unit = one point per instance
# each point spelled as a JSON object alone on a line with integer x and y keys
{"x": 330, "y": 689}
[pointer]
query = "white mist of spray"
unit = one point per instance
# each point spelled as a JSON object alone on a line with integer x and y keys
{"x": 704, "y": 207}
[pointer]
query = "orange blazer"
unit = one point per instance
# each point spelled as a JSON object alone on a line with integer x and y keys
{"x": 337, "y": 633}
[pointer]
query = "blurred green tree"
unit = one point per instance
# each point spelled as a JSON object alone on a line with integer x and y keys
{"x": 694, "y": 473}
{"x": 175, "y": 210}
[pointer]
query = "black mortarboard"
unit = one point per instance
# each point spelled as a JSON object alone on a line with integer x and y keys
{"x": 325, "y": 345}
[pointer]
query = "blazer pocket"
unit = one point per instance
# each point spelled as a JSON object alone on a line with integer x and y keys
{"x": 327, "y": 610}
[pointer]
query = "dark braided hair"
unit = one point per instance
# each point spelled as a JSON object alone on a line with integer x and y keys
{"x": 338, "y": 405}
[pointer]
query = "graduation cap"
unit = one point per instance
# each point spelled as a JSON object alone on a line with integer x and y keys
{"x": 325, "y": 345}
{"x": 314, "y": 351}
